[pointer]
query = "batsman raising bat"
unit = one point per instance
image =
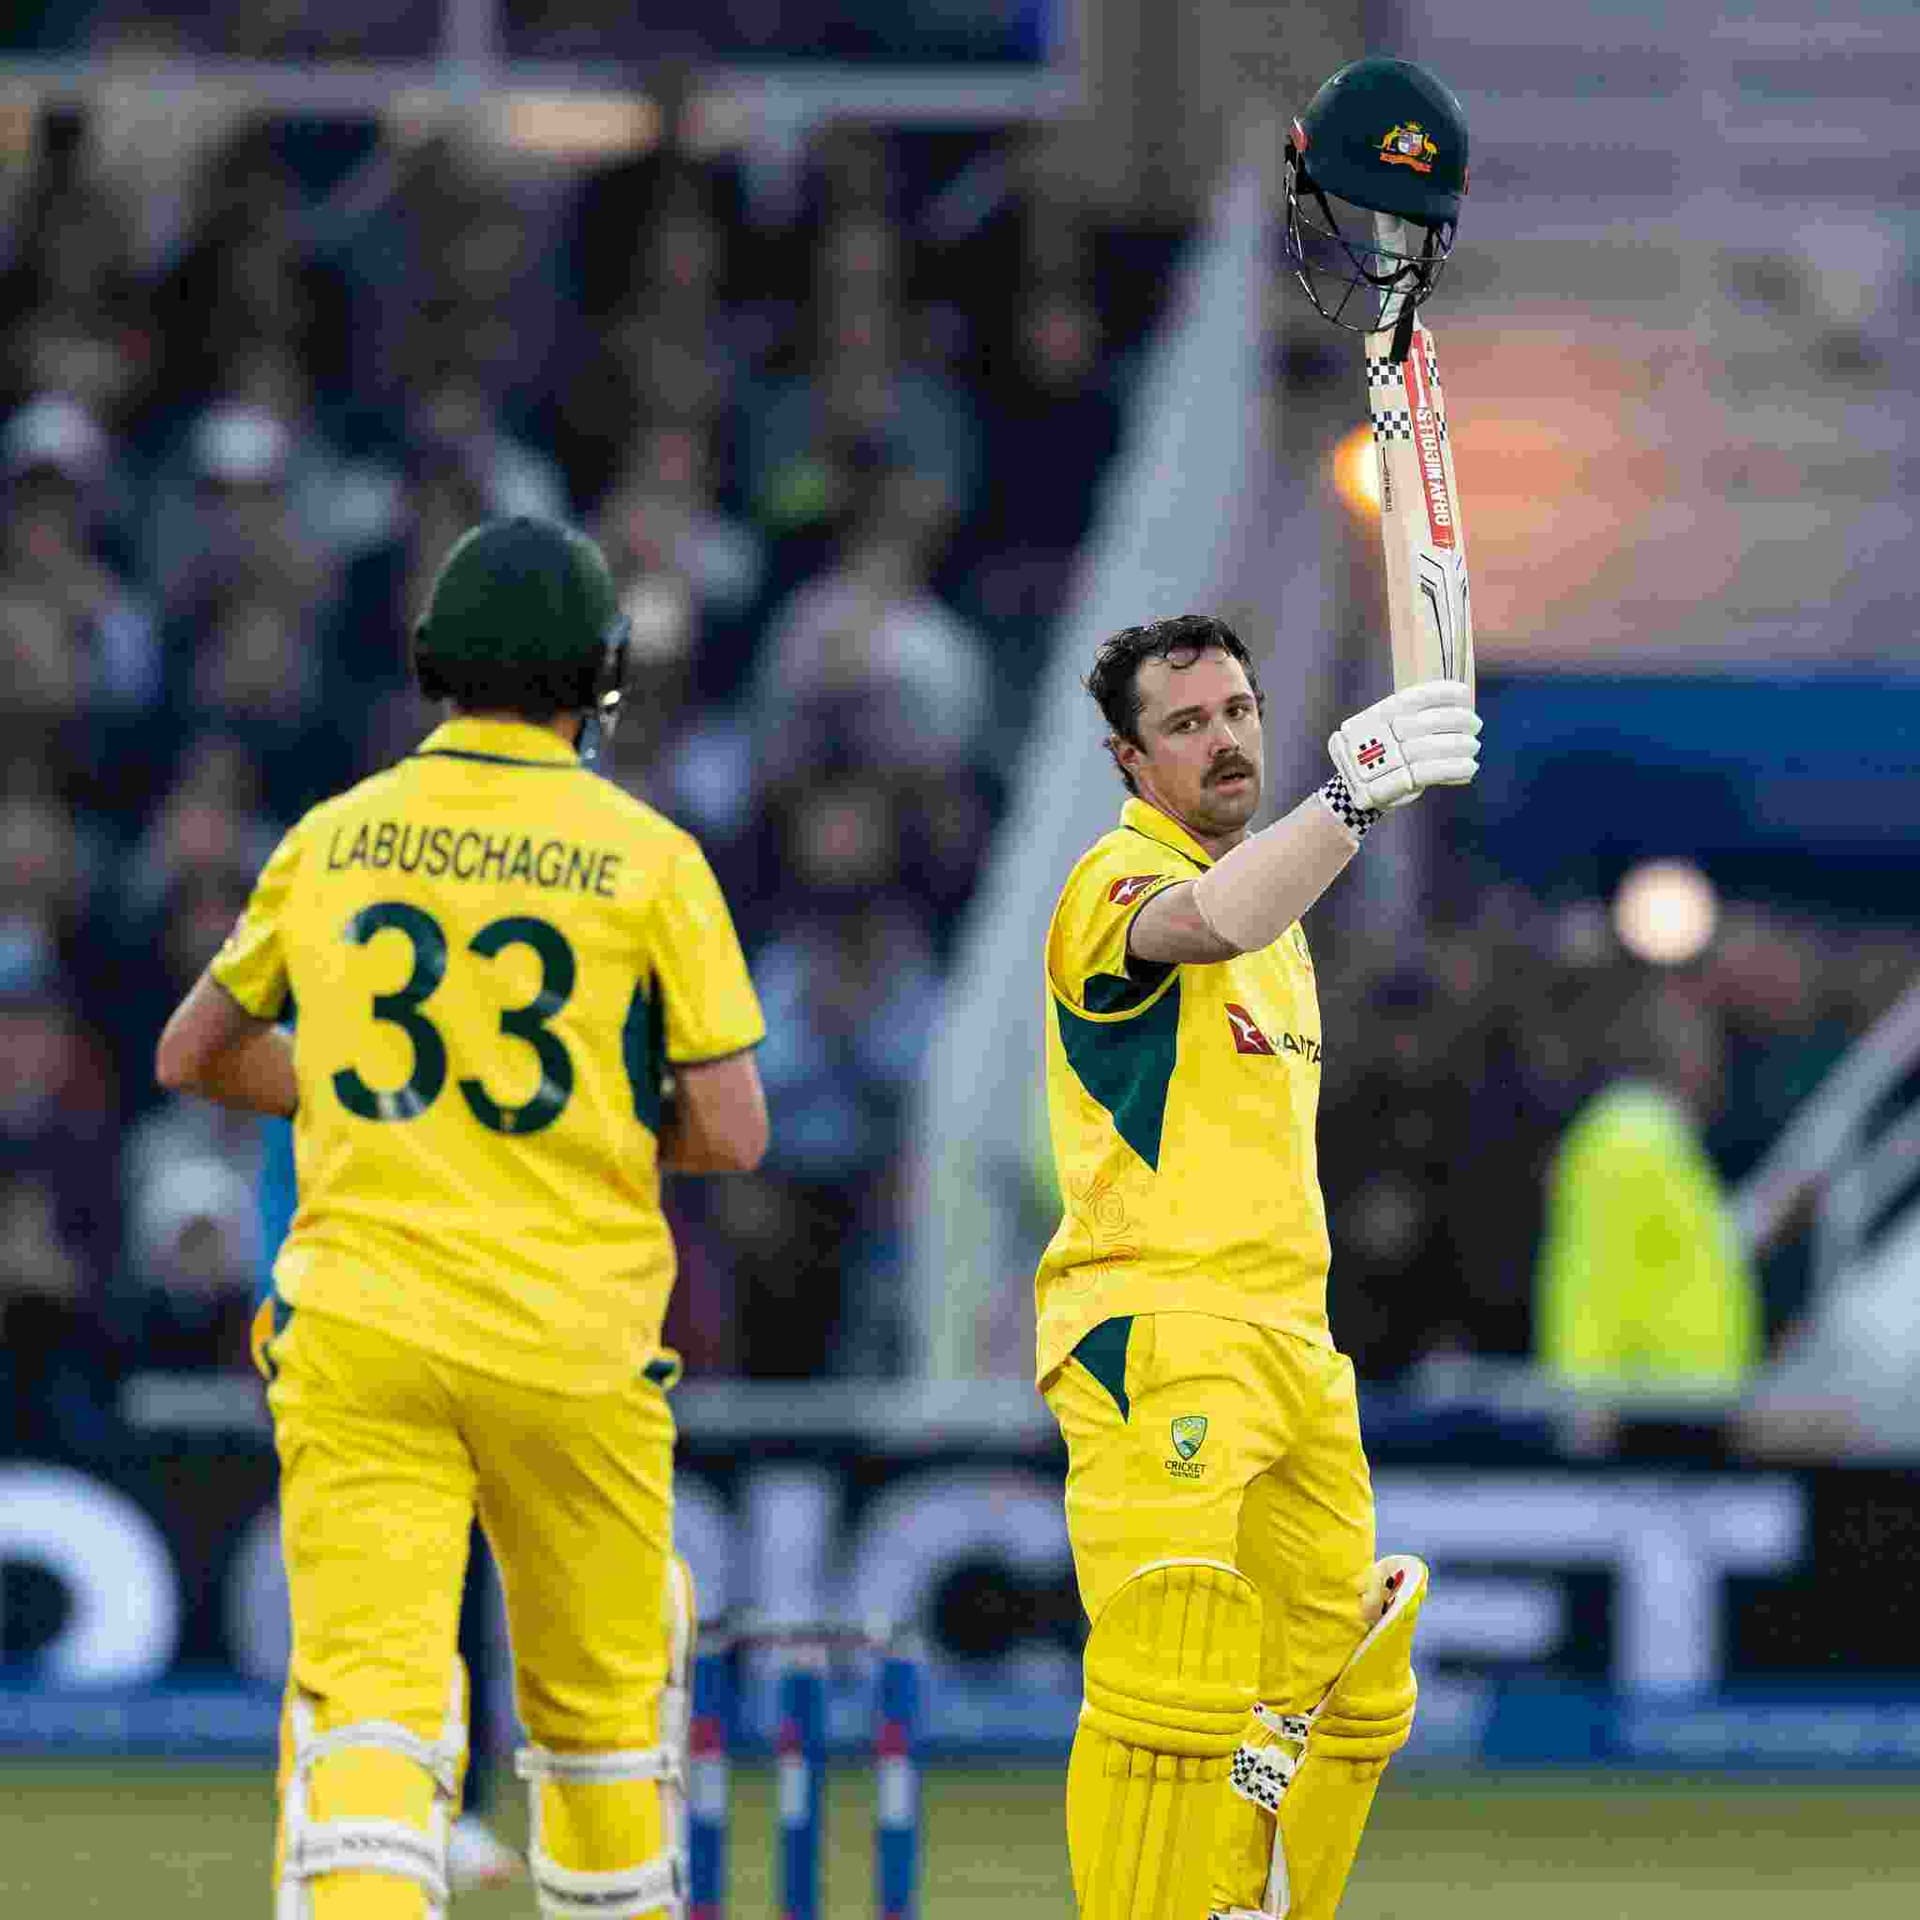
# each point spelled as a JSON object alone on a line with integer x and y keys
{"x": 1248, "y": 1671}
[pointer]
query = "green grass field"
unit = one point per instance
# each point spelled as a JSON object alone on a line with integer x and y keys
{"x": 165, "y": 1842}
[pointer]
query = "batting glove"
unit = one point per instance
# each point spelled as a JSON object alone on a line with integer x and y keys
{"x": 1419, "y": 737}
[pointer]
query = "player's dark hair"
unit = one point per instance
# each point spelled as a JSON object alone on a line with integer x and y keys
{"x": 1180, "y": 640}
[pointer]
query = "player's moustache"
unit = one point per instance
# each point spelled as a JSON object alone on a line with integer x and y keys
{"x": 1225, "y": 768}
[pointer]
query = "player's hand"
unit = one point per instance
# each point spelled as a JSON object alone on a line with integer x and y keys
{"x": 1420, "y": 737}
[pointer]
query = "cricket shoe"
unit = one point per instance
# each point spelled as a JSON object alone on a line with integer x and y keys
{"x": 477, "y": 1857}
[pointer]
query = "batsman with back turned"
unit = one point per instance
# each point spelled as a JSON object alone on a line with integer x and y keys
{"x": 1248, "y": 1669}
{"x": 520, "y": 997}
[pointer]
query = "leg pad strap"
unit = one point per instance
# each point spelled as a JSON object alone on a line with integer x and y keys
{"x": 362, "y": 1843}
{"x": 650, "y": 1886}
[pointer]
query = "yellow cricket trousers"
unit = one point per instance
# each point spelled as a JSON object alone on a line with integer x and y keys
{"x": 386, "y": 1454}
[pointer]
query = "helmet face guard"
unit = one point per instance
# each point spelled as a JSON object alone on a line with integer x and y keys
{"x": 1362, "y": 268}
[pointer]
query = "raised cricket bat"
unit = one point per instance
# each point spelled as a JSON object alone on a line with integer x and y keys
{"x": 1429, "y": 613}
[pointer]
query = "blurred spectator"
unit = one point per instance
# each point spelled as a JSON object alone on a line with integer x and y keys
{"x": 650, "y": 254}
{"x": 44, "y": 887}
{"x": 450, "y": 279}
{"x": 57, "y": 1122}
{"x": 1054, "y": 422}
{"x": 689, "y": 575}
{"x": 851, "y": 994}
{"x": 904, "y": 678}
{"x": 210, "y": 818}
{"x": 231, "y": 513}
{"x": 69, "y": 316}
{"x": 57, "y": 567}
{"x": 56, "y": 1386}
{"x": 194, "y": 1266}
{"x": 1395, "y": 1287}
{"x": 263, "y": 427}
{"x": 245, "y": 278}
{"x": 858, "y": 403}
{"x": 1643, "y": 1278}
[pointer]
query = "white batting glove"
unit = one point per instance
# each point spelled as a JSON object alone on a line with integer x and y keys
{"x": 1421, "y": 737}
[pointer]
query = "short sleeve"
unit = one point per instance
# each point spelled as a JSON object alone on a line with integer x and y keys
{"x": 252, "y": 965}
{"x": 708, "y": 1004}
{"x": 1088, "y": 969}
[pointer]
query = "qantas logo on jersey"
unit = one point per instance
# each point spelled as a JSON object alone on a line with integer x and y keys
{"x": 1123, "y": 893}
{"x": 1247, "y": 1038}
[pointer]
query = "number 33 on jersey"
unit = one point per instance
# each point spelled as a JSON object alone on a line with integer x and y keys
{"x": 494, "y": 956}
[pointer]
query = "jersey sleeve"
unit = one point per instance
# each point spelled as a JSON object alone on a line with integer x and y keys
{"x": 1088, "y": 968}
{"x": 252, "y": 965}
{"x": 709, "y": 1007}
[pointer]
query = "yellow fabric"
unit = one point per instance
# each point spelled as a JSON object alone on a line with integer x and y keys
{"x": 386, "y": 1454}
{"x": 494, "y": 955}
{"x": 1321, "y": 1820}
{"x": 1170, "y": 1670}
{"x": 1642, "y": 1277}
{"x": 1277, "y": 1487}
{"x": 1181, "y": 1103}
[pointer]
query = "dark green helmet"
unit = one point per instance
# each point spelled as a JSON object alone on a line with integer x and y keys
{"x": 1389, "y": 136}
{"x": 1386, "y": 138}
{"x": 523, "y": 617}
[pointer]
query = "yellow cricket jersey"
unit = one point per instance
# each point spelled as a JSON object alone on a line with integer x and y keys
{"x": 1182, "y": 1103}
{"x": 494, "y": 956}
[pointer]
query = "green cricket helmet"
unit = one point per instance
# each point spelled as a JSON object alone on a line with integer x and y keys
{"x": 1376, "y": 167}
{"x": 524, "y": 617}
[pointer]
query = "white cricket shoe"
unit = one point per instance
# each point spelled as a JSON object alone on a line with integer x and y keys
{"x": 478, "y": 1857}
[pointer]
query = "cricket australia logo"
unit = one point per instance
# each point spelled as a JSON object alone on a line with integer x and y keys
{"x": 1123, "y": 893}
{"x": 1407, "y": 145}
{"x": 1189, "y": 1435}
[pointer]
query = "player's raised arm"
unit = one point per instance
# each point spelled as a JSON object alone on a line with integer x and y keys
{"x": 1186, "y": 736}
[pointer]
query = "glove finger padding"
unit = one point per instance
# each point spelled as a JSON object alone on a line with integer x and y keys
{"x": 1425, "y": 722}
{"x": 1419, "y": 737}
{"x": 1445, "y": 760}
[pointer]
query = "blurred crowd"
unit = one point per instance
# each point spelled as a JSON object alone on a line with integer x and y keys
{"x": 838, "y": 433}
{"x": 1454, "y": 1076}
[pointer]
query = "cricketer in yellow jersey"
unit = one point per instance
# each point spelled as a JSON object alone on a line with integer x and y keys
{"x": 1248, "y": 1672}
{"x": 498, "y": 959}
